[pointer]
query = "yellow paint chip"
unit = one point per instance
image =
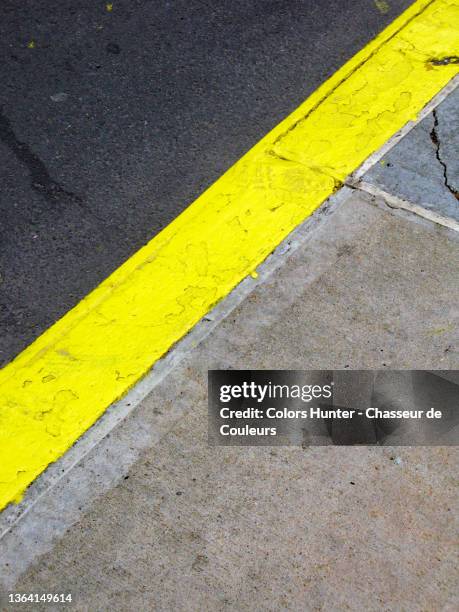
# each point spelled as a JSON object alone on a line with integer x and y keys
{"x": 31, "y": 44}
{"x": 115, "y": 335}
{"x": 109, "y": 7}
{"x": 383, "y": 6}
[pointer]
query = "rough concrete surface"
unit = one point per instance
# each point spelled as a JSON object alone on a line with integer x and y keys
{"x": 424, "y": 166}
{"x": 182, "y": 526}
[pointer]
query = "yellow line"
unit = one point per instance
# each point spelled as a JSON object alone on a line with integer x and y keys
{"x": 57, "y": 388}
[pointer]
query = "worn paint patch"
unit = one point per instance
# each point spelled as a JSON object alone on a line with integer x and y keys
{"x": 58, "y": 387}
{"x": 383, "y": 6}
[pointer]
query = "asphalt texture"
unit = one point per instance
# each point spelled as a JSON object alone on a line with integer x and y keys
{"x": 113, "y": 121}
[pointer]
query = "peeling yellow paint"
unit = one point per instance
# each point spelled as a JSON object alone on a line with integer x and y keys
{"x": 59, "y": 386}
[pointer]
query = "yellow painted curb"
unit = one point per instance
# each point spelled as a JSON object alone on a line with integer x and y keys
{"x": 58, "y": 387}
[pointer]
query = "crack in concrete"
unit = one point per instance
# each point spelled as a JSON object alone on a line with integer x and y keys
{"x": 337, "y": 183}
{"x": 40, "y": 179}
{"x": 436, "y": 141}
{"x": 445, "y": 61}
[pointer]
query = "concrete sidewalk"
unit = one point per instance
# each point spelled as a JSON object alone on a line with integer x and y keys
{"x": 187, "y": 527}
{"x": 424, "y": 167}
{"x": 153, "y": 519}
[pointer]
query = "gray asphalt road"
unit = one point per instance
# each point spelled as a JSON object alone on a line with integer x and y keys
{"x": 112, "y": 122}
